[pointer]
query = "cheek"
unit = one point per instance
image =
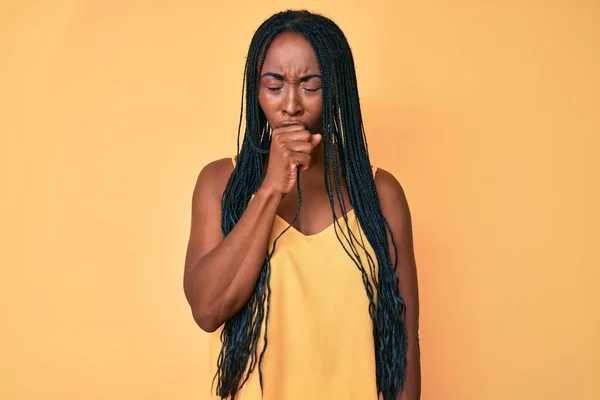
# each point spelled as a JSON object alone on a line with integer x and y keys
{"x": 265, "y": 104}
{"x": 315, "y": 104}
{"x": 261, "y": 99}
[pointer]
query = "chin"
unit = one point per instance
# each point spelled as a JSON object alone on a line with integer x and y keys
{"x": 315, "y": 129}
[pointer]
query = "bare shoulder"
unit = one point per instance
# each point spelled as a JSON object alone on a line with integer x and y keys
{"x": 394, "y": 207}
{"x": 205, "y": 232}
{"x": 214, "y": 176}
{"x": 390, "y": 192}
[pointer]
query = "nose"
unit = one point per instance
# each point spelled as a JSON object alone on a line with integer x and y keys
{"x": 292, "y": 103}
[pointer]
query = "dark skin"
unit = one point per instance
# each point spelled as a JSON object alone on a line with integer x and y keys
{"x": 220, "y": 273}
{"x": 290, "y": 93}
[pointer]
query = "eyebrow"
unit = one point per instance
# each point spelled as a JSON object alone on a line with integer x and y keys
{"x": 280, "y": 77}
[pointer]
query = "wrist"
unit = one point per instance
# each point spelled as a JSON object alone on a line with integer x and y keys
{"x": 269, "y": 193}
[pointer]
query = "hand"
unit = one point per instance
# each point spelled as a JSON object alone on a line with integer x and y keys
{"x": 291, "y": 148}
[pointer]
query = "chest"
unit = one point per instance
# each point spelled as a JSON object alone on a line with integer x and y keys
{"x": 315, "y": 214}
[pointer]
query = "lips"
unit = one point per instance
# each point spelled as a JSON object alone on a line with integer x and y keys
{"x": 290, "y": 123}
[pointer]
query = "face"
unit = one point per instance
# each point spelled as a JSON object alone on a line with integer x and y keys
{"x": 290, "y": 83}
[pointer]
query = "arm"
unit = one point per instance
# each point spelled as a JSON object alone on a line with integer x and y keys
{"x": 395, "y": 209}
{"x": 221, "y": 273}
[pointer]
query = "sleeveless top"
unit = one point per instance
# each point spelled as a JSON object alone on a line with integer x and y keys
{"x": 320, "y": 336}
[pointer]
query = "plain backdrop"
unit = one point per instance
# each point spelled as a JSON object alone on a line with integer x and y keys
{"x": 488, "y": 113}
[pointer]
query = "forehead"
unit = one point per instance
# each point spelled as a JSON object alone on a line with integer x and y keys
{"x": 291, "y": 53}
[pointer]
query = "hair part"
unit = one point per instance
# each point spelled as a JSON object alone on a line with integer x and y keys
{"x": 343, "y": 133}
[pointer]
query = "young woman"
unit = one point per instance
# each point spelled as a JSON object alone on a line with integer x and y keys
{"x": 300, "y": 258}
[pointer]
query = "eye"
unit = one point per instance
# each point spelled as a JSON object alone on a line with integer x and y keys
{"x": 274, "y": 89}
{"x": 312, "y": 85}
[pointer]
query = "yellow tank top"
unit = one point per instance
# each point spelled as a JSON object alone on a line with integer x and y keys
{"x": 320, "y": 337}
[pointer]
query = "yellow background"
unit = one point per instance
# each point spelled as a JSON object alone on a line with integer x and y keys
{"x": 487, "y": 112}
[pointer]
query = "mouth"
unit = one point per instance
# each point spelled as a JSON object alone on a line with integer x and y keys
{"x": 290, "y": 123}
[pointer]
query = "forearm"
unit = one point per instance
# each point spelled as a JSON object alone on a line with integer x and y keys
{"x": 412, "y": 382}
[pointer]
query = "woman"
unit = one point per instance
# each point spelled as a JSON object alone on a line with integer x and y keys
{"x": 300, "y": 257}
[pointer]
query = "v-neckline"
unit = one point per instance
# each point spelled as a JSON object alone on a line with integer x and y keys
{"x": 321, "y": 232}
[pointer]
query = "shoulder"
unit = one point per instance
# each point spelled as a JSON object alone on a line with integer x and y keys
{"x": 218, "y": 169}
{"x": 388, "y": 187}
{"x": 392, "y": 197}
{"x": 214, "y": 176}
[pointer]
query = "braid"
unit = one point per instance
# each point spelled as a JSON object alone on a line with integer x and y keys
{"x": 343, "y": 137}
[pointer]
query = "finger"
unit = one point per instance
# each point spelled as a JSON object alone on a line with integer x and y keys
{"x": 305, "y": 165}
{"x": 297, "y": 136}
{"x": 300, "y": 147}
{"x": 289, "y": 128}
{"x": 315, "y": 140}
{"x": 301, "y": 160}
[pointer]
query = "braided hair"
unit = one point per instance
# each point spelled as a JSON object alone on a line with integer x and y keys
{"x": 343, "y": 133}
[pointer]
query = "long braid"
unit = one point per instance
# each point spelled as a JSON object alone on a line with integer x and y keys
{"x": 390, "y": 339}
{"x": 343, "y": 137}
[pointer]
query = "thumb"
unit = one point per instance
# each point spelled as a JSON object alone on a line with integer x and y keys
{"x": 316, "y": 139}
